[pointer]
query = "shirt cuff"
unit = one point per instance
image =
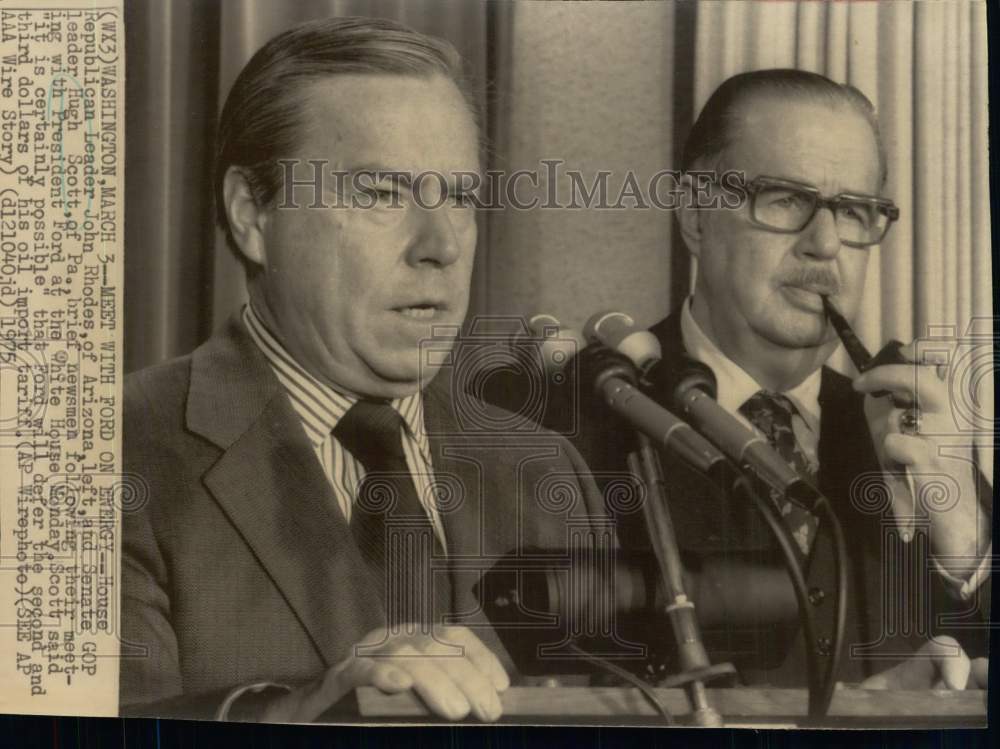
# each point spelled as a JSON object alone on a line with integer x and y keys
{"x": 966, "y": 589}
{"x": 247, "y": 689}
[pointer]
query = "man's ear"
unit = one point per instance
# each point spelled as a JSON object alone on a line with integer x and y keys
{"x": 689, "y": 216}
{"x": 247, "y": 220}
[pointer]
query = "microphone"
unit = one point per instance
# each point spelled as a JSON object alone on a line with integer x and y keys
{"x": 618, "y": 332}
{"x": 690, "y": 388}
{"x": 613, "y": 377}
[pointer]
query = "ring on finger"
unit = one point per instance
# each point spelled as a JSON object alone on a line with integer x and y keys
{"x": 909, "y": 421}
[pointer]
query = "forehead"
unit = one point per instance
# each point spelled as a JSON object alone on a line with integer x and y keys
{"x": 829, "y": 145}
{"x": 397, "y": 121}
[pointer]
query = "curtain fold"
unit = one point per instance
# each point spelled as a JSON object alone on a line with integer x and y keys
{"x": 172, "y": 52}
{"x": 896, "y": 113}
{"x": 979, "y": 166}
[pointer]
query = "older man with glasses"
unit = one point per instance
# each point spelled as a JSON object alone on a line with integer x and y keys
{"x": 796, "y": 173}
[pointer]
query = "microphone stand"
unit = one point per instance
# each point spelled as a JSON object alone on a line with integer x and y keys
{"x": 695, "y": 667}
{"x": 612, "y": 376}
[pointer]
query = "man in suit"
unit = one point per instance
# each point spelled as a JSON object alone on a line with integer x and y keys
{"x": 792, "y": 202}
{"x": 309, "y": 481}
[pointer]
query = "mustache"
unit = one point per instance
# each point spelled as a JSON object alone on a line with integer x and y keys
{"x": 820, "y": 280}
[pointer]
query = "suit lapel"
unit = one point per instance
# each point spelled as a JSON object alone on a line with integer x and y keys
{"x": 274, "y": 492}
{"x": 458, "y": 473}
{"x": 475, "y": 531}
{"x": 468, "y": 462}
{"x": 668, "y": 333}
{"x": 846, "y": 450}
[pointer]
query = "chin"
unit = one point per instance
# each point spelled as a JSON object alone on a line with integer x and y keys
{"x": 401, "y": 376}
{"x": 797, "y": 333}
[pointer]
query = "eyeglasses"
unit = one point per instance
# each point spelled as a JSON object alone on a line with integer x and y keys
{"x": 787, "y": 207}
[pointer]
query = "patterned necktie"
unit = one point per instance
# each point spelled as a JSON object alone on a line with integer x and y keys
{"x": 772, "y": 414}
{"x": 391, "y": 528}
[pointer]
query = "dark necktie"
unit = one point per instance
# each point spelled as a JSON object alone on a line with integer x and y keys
{"x": 772, "y": 414}
{"x": 390, "y": 527}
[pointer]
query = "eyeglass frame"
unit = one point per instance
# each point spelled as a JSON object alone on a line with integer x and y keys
{"x": 754, "y": 186}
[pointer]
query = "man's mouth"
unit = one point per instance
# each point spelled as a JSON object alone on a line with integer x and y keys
{"x": 807, "y": 297}
{"x": 820, "y": 289}
{"x": 421, "y": 311}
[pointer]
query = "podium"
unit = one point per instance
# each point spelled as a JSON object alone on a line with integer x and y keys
{"x": 739, "y": 706}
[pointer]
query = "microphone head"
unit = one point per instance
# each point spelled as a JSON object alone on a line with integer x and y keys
{"x": 618, "y": 332}
{"x": 542, "y": 325}
{"x": 609, "y": 327}
{"x": 557, "y": 345}
{"x": 530, "y": 331}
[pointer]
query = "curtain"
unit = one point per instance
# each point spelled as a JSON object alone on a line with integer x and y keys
{"x": 923, "y": 65}
{"x": 171, "y": 90}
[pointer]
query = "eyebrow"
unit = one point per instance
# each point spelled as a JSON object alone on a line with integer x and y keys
{"x": 847, "y": 192}
{"x": 405, "y": 176}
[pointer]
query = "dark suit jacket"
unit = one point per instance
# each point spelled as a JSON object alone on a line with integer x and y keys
{"x": 238, "y": 565}
{"x": 890, "y": 611}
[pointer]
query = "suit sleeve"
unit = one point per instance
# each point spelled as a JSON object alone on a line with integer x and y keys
{"x": 149, "y": 669}
{"x": 151, "y": 682}
{"x": 966, "y": 604}
{"x": 150, "y": 674}
{"x": 982, "y": 591}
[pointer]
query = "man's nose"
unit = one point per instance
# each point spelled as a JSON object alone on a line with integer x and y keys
{"x": 820, "y": 237}
{"x": 437, "y": 238}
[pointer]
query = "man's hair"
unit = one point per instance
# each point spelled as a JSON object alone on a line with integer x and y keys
{"x": 717, "y": 125}
{"x": 261, "y": 119}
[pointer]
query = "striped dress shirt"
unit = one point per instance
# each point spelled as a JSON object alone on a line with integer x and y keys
{"x": 320, "y": 407}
